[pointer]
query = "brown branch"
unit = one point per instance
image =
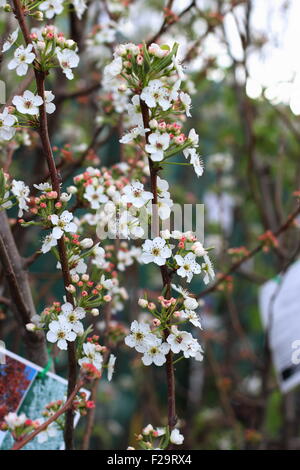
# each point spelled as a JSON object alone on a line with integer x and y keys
{"x": 166, "y": 277}
{"x": 166, "y": 25}
{"x": 55, "y": 180}
{"x": 42, "y": 427}
{"x": 235, "y": 266}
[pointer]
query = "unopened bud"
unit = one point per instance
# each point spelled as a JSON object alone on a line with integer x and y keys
{"x": 95, "y": 312}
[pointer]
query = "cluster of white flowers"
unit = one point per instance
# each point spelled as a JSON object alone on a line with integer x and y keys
{"x": 21, "y": 192}
{"x": 159, "y": 250}
{"x": 154, "y": 348}
{"x": 67, "y": 326}
{"x": 62, "y": 224}
{"x": 7, "y": 125}
{"x": 91, "y": 355}
{"x": 160, "y": 95}
{"x": 120, "y": 209}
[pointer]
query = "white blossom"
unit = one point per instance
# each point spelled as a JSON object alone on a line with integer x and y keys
{"x": 135, "y": 194}
{"x": 80, "y": 7}
{"x": 62, "y": 223}
{"x": 208, "y": 270}
{"x": 192, "y": 316}
{"x": 155, "y": 352}
{"x": 73, "y": 316}
{"x": 111, "y": 366}
{"x": 155, "y": 251}
{"x": 13, "y": 420}
{"x": 113, "y": 69}
{"x": 186, "y": 101}
{"x": 68, "y": 59}
{"x": 157, "y": 144}
{"x": 49, "y": 97}
{"x": 91, "y": 356}
{"x": 176, "y": 437}
{"x": 21, "y": 191}
{"x": 156, "y": 94}
{"x": 28, "y": 103}
{"x": 140, "y": 336}
{"x": 52, "y": 8}
{"x": 178, "y": 340}
{"x": 95, "y": 195}
{"x": 7, "y": 123}
{"x": 187, "y": 266}
{"x": 133, "y": 134}
{"x": 60, "y": 331}
{"x": 48, "y": 243}
{"x": 22, "y": 58}
{"x": 10, "y": 40}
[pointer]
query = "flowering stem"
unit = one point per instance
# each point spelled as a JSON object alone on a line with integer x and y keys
{"x": 55, "y": 181}
{"x": 42, "y": 427}
{"x": 165, "y": 274}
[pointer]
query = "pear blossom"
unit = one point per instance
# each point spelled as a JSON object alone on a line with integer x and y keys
{"x": 91, "y": 356}
{"x": 176, "y": 438}
{"x": 193, "y": 137}
{"x": 207, "y": 269}
{"x": 76, "y": 264}
{"x": 198, "y": 249}
{"x": 48, "y": 243}
{"x": 192, "y": 316}
{"x": 155, "y": 352}
{"x": 111, "y": 366}
{"x": 95, "y": 195}
{"x": 113, "y": 69}
{"x": 28, "y": 103}
{"x": 134, "y": 111}
{"x": 68, "y": 59}
{"x": 162, "y": 188}
{"x": 62, "y": 223}
{"x": 49, "y": 97}
{"x": 164, "y": 207}
{"x": 22, "y": 58}
{"x": 52, "y": 8}
{"x": 156, "y": 146}
{"x": 21, "y": 191}
{"x": 193, "y": 349}
{"x": 10, "y": 40}
{"x": 44, "y": 187}
{"x": 157, "y": 51}
{"x": 197, "y": 163}
{"x": 133, "y": 134}
{"x": 140, "y": 336}
{"x": 178, "y": 67}
{"x": 135, "y": 194}
{"x": 186, "y": 101}
{"x": 178, "y": 340}
{"x": 13, "y": 420}
{"x": 187, "y": 266}
{"x": 155, "y": 251}
{"x": 156, "y": 94}
{"x": 73, "y": 316}
{"x": 80, "y": 7}
{"x": 60, "y": 332}
{"x": 7, "y": 123}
